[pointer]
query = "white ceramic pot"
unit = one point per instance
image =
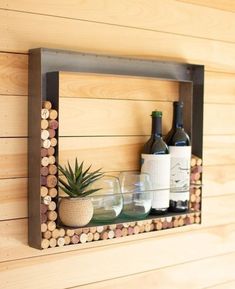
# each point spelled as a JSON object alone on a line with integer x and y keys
{"x": 75, "y": 212}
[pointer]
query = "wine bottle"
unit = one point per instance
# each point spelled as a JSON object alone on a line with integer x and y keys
{"x": 179, "y": 145}
{"x": 155, "y": 160}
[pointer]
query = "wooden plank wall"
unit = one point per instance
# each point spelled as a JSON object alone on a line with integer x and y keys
{"x": 201, "y": 32}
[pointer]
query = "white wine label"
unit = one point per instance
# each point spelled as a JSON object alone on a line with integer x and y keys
{"x": 180, "y": 172}
{"x": 158, "y": 168}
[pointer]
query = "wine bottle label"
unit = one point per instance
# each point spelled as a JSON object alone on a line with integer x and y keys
{"x": 180, "y": 172}
{"x": 180, "y": 167}
{"x": 158, "y": 168}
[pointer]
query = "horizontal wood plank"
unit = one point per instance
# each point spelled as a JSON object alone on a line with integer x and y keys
{"x": 218, "y": 211}
{"x": 218, "y": 180}
{"x": 218, "y": 150}
{"x": 228, "y": 5}
{"x": 168, "y": 16}
{"x": 142, "y": 259}
{"x": 13, "y": 74}
{"x": 88, "y": 85}
{"x": 13, "y": 198}
{"x": 82, "y": 36}
{"x": 97, "y": 117}
{"x": 219, "y": 88}
{"x": 226, "y": 285}
{"x": 175, "y": 277}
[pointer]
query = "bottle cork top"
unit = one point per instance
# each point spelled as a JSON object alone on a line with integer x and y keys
{"x": 156, "y": 113}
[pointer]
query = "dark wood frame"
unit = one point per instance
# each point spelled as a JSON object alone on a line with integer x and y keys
{"x": 44, "y": 65}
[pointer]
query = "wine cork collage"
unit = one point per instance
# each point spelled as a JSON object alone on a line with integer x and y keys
{"x": 54, "y": 234}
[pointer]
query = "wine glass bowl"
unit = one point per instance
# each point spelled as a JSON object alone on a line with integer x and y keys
{"x": 137, "y": 195}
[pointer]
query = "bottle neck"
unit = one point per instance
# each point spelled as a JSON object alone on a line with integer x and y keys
{"x": 178, "y": 117}
{"x": 157, "y": 126}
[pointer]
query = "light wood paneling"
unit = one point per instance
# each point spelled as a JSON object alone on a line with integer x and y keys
{"x": 13, "y": 161}
{"x": 13, "y": 74}
{"x": 12, "y": 273}
{"x": 226, "y": 285}
{"x": 218, "y": 211}
{"x": 13, "y": 198}
{"x": 175, "y": 277}
{"x": 219, "y": 88}
{"x": 78, "y": 35}
{"x": 218, "y": 180}
{"x": 89, "y": 85}
{"x": 219, "y": 149}
{"x": 13, "y": 116}
{"x": 228, "y": 5}
{"x": 168, "y": 16}
{"x": 110, "y": 117}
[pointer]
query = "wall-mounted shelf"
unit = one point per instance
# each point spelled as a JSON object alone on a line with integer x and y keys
{"x": 46, "y": 67}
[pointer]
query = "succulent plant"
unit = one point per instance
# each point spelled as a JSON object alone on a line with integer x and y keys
{"x": 78, "y": 180}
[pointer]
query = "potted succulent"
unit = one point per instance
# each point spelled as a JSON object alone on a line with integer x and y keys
{"x": 76, "y": 210}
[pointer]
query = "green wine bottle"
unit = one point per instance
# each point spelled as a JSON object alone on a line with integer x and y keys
{"x": 155, "y": 160}
{"x": 180, "y": 150}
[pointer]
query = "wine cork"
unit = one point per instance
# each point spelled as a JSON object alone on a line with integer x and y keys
{"x": 61, "y": 242}
{"x": 43, "y": 218}
{"x": 51, "y": 160}
{"x": 147, "y": 228}
{"x": 46, "y": 143}
{"x": 152, "y": 227}
{"x": 52, "y": 215}
{"x": 43, "y": 227}
{"x": 187, "y": 221}
{"x": 126, "y": 225}
{"x": 131, "y": 230}
{"x": 140, "y": 223}
{"x": 96, "y": 236}
{"x": 43, "y": 208}
{"x": 53, "y": 242}
{"x": 43, "y": 181}
{"x": 198, "y": 182}
{"x": 50, "y": 151}
{"x": 132, "y": 224}
{"x": 168, "y": 219}
{"x": 51, "y": 133}
{"x": 44, "y": 134}
{"x": 175, "y": 223}
{"x": 142, "y": 228}
{"x": 93, "y": 230}
{"x": 70, "y": 232}
{"x": 83, "y": 238}
{"x": 158, "y": 226}
{"x": 198, "y": 199}
{"x": 112, "y": 227}
{"x": 47, "y": 235}
{"x": 165, "y": 224}
{"x": 196, "y": 206}
{"x": 104, "y": 235}
{"x": 197, "y": 192}
{"x": 197, "y": 220}
{"x": 44, "y": 171}
{"x": 67, "y": 240}
{"x": 75, "y": 239}
{"x": 119, "y": 226}
{"x": 170, "y": 225}
{"x": 45, "y": 161}
{"x": 197, "y": 214}
{"x": 100, "y": 229}
{"x": 136, "y": 230}
{"x": 47, "y": 104}
{"x": 118, "y": 233}
{"x": 56, "y": 233}
{"x": 191, "y": 219}
{"x": 53, "y": 114}
{"x": 51, "y": 181}
{"x": 78, "y": 231}
{"x": 124, "y": 231}
{"x": 181, "y": 222}
{"x": 45, "y": 113}
{"x": 89, "y": 237}
{"x": 53, "y": 124}
{"x": 43, "y": 191}
{"x": 149, "y": 221}
{"x": 196, "y": 169}
{"x": 43, "y": 152}
{"x": 52, "y": 192}
{"x": 46, "y": 200}
{"x": 111, "y": 234}
{"x": 44, "y": 124}
{"x": 45, "y": 243}
{"x": 53, "y": 142}
{"x": 51, "y": 225}
{"x": 52, "y": 207}
{"x": 86, "y": 230}
{"x": 193, "y": 198}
